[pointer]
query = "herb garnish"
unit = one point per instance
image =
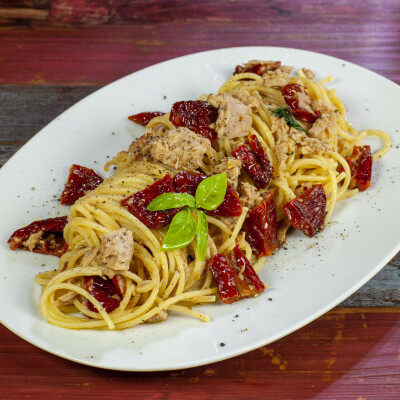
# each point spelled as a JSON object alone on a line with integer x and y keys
{"x": 209, "y": 195}
{"x": 285, "y": 114}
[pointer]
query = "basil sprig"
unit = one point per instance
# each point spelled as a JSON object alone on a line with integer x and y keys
{"x": 182, "y": 222}
{"x": 167, "y": 201}
{"x": 211, "y": 192}
{"x": 285, "y": 114}
{"x": 183, "y": 228}
{"x": 202, "y": 234}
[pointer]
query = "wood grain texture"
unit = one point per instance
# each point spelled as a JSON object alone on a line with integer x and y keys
{"x": 53, "y": 53}
{"x": 26, "y": 109}
{"x": 381, "y": 291}
{"x": 95, "y": 42}
{"x": 347, "y": 354}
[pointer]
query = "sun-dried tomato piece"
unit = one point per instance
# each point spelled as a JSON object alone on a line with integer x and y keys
{"x": 250, "y": 165}
{"x": 187, "y": 182}
{"x": 137, "y": 203}
{"x": 255, "y": 162}
{"x": 230, "y": 207}
{"x": 261, "y": 156}
{"x": 261, "y": 227}
{"x": 243, "y": 285}
{"x": 145, "y": 117}
{"x": 290, "y": 94}
{"x": 360, "y": 162}
{"x": 81, "y": 180}
{"x": 196, "y": 115}
{"x": 234, "y": 276}
{"x": 45, "y": 237}
{"x": 248, "y": 272}
{"x": 119, "y": 283}
{"x": 105, "y": 291}
{"x": 224, "y": 276}
{"x": 258, "y": 68}
{"x": 307, "y": 212}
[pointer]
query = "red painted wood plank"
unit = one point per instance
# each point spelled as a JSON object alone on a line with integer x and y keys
{"x": 346, "y": 354}
{"x": 143, "y": 33}
{"x": 23, "y": 13}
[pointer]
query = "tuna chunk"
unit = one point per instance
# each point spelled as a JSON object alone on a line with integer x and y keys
{"x": 321, "y": 124}
{"x": 279, "y": 127}
{"x": 231, "y": 222}
{"x": 258, "y": 67}
{"x": 67, "y": 298}
{"x": 308, "y": 73}
{"x": 179, "y": 148}
{"x": 311, "y": 146}
{"x": 246, "y": 98}
{"x": 278, "y": 77}
{"x": 33, "y": 240}
{"x": 249, "y": 196}
{"x": 283, "y": 149}
{"x": 115, "y": 251}
{"x": 321, "y": 106}
{"x": 290, "y": 139}
{"x": 234, "y": 117}
{"x": 316, "y": 107}
{"x": 232, "y": 168}
{"x": 159, "y": 317}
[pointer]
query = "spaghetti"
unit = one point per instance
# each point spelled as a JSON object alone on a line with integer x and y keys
{"x": 303, "y": 154}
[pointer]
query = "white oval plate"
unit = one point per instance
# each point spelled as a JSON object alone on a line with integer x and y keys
{"x": 307, "y": 278}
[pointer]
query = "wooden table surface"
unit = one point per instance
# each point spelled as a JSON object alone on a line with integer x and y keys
{"x": 53, "y": 53}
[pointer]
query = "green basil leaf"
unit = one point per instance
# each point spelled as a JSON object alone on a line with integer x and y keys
{"x": 211, "y": 192}
{"x": 285, "y": 114}
{"x": 202, "y": 234}
{"x": 166, "y": 201}
{"x": 181, "y": 231}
